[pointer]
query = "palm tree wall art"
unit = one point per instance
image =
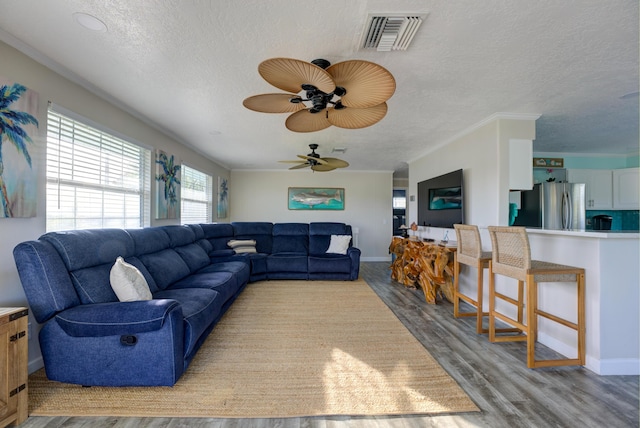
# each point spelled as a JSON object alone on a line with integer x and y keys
{"x": 223, "y": 197}
{"x": 168, "y": 186}
{"x": 18, "y": 186}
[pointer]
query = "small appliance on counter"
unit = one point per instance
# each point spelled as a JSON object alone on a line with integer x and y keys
{"x": 601, "y": 222}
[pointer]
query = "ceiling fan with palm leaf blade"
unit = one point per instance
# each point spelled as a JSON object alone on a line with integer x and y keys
{"x": 350, "y": 94}
{"x": 316, "y": 163}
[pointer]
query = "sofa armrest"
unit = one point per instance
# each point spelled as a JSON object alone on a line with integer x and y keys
{"x": 354, "y": 255}
{"x": 117, "y": 318}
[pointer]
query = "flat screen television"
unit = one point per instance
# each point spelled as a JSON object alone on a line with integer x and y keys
{"x": 441, "y": 200}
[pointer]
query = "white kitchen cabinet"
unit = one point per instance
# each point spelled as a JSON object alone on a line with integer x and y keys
{"x": 598, "y": 186}
{"x": 520, "y": 165}
{"x": 626, "y": 189}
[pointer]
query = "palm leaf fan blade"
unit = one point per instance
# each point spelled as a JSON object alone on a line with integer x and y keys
{"x": 356, "y": 118}
{"x": 336, "y": 163}
{"x": 367, "y": 84}
{"x": 304, "y": 121}
{"x": 322, "y": 168}
{"x": 302, "y": 165}
{"x": 289, "y": 75}
{"x": 272, "y": 103}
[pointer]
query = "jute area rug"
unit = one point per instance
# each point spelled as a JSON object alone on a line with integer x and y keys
{"x": 284, "y": 349}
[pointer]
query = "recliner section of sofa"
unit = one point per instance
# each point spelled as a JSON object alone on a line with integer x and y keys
{"x": 89, "y": 337}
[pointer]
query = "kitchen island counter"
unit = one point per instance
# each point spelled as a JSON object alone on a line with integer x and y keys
{"x": 612, "y": 278}
{"x": 600, "y": 234}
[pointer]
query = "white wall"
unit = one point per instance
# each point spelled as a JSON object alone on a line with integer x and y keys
{"x": 262, "y": 196}
{"x": 53, "y": 87}
{"x": 482, "y": 152}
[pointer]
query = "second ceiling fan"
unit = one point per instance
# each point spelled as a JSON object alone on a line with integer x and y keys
{"x": 349, "y": 94}
{"x": 317, "y": 163}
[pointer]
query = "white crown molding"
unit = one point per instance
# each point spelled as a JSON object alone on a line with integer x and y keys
{"x": 305, "y": 171}
{"x": 476, "y": 126}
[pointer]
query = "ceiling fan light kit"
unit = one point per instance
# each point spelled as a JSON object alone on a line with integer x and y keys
{"x": 349, "y": 94}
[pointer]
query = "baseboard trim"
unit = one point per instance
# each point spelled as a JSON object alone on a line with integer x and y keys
{"x": 606, "y": 367}
{"x": 376, "y": 259}
{"x": 35, "y": 364}
{"x": 615, "y": 366}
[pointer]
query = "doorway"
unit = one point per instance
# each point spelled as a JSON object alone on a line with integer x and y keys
{"x": 399, "y": 210}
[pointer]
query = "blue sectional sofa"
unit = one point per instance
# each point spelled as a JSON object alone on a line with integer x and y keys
{"x": 90, "y": 337}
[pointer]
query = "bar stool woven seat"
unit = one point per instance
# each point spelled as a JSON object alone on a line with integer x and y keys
{"x": 511, "y": 257}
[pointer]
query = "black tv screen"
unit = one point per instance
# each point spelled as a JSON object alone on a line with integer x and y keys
{"x": 441, "y": 200}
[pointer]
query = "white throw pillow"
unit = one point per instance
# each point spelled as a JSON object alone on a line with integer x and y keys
{"x": 242, "y": 246}
{"x": 339, "y": 244}
{"x": 128, "y": 282}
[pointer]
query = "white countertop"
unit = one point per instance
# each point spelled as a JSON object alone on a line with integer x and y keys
{"x": 603, "y": 234}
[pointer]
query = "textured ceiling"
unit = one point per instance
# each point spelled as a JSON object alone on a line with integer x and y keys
{"x": 185, "y": 67}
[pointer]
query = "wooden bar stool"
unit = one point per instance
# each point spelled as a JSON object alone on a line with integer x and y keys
{"x": 469, "y": 253}
{"x": 512, "y": 258}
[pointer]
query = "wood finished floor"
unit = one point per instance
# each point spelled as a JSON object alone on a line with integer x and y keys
{"x": 494, "y": 375}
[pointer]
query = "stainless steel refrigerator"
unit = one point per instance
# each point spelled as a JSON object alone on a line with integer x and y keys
{"x": 553, "y": 206}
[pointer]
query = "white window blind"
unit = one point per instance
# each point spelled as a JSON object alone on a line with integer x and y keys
{"x": 94, "y": 179}
{"x": 196, "y": 196}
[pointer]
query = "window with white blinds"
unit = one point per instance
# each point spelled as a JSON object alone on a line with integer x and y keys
{"x": 196, "y": 196}
{"x": 94, "y": 179}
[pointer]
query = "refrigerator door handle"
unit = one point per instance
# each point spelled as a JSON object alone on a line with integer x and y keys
{"x": 567, "y": 214}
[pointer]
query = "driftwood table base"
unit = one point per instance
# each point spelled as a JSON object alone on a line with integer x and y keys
{"x": 425, "y": 265}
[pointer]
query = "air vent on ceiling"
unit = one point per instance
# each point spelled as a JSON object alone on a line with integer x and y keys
{"x": 391, "y": 32}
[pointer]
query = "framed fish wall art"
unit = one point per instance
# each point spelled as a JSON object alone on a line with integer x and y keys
{"x": 314, "y": 198}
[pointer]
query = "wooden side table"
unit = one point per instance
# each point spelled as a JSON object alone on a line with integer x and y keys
{"x": 14, "y": 345}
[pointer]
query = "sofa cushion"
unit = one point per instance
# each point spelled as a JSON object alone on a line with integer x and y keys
{"x": 200, "y": 307}
{"x": 320, "y": 235}
{"x": 127, "y": 282}
{"x": 290, "y": 238}
{"x": 166, "y": 267}
{"x": 92, "y": 284}
{"x": 222, "y": 282}
{"x": 240, "y": 246}
{"x": 241, "y": 270}
{"x": 329, "y": 262}
{"x": 287, "y": 262}
{"x": 149, "y": 240}
{"x": 85, "y": 248}
{"x": 217, "y": 234}
{"x": 194, "y": 256}
{"x": 179, "y": 235}
{"x": 217, "y": 254}
{"x": 262, "y": 232}
{"x": 153, "y": 287}
{"x": 339, "y": 244}
{"x": 197, "y": 231}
